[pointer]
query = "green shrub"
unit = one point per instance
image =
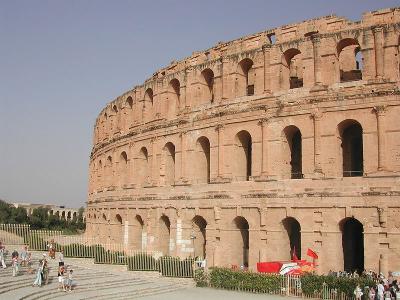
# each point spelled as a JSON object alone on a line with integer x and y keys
{"x": 142, "y": 262}
{"x": 311, "y": 284}
{"x": 241, "y": 280}
{"x": 201, "y": 278}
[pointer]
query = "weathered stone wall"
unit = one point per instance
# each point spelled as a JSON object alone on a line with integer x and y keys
{"x": 255, "y": 148}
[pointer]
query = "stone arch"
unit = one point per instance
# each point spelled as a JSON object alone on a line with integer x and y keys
{"x": 69, "y": 215}
{"x": 245, "y": 78}
{"x": 352, "y": 244}
{"x": 137, "y": 233}
{"x": 202, "y": 160}
{"x": 198, "y": 236}
{"x": 207, "y": 86}
{"x": 128, "y": 111}
{"x": 74, "y": 215}
{"x": 129, "y": 102}
{"x": 117, "y": 232}
{"x": 169, "y": 163}
{"x": 240, "y": 242}
{"x": 242, "y": 161}
{"x": 63, "y": 215}
{"x": 292, "y": 69}
{"x": 292, "y": 151}
{"x": 351, "y": 148}
{"x": 293, "y": 229}
{"x": 123, "y": 168}
{"x": 109, "y": 169}
{"x": 164, "y": 234}
{"x": 350, "y": 59}
{"x": 142, "y": 166}
{"x": 148, "y": 97}
{"x": 174, "y": 94}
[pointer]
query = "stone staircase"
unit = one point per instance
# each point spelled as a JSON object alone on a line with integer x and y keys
{"x": 90, "y": 282}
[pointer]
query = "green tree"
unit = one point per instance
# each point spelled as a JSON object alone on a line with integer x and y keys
{"x": 5, "y": 212}
{"x": 39, "y": 218}
{"x": 19, "y": 215}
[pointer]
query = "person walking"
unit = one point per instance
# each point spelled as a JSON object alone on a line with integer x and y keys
{"x": 69, "y": 281}
{"x": 24, "y": 255}
{"x": 15, "y": 265}
{"x": 358, "y": 292}
{"x": 381, "y": 290}
{"x": 2, "y": 251}
{"x": 61, "y": 258}
{"x": 38, "y": 279}
{"x": 61, "y": 278}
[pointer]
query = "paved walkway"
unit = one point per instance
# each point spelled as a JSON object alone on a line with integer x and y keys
{"x": 109, "y": 282}
{"x": 91, "y": 282}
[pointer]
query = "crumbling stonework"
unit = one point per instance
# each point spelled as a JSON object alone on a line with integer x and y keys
{"x": 259, "y": 147}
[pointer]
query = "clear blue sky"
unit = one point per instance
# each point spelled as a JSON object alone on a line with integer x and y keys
{"x": 62, "y": 61}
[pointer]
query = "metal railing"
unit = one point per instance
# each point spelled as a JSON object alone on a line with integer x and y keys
{"x": 101, "y": 253}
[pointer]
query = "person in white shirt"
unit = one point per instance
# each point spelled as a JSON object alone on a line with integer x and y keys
{"x": 2, "y": 250}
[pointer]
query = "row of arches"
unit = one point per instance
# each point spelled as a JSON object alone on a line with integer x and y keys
{"x": 240, "y": 234}
{"x": 351, "y": 145}
{"x": 348, "y": 66}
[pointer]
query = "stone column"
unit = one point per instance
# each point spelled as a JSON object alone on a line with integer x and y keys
{"x": 380, "y": 112}
{"x": 316, "y": 41}
{"x": 153, "y": 166}
{"x": 317, "y": 116}
{"x": 378, "y": 41}
{"x": 220, "y": 130}
{"x": 267, "y": 71}
{"x": 183, "y": 157}
{"x": 264, "y": 156}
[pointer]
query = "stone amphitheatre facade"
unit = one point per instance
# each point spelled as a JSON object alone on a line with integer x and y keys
{"x": 249, "y": 151}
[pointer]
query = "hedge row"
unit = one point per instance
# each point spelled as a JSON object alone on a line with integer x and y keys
{"x": 311, "y": 285}
{"x": 223, "y": 278}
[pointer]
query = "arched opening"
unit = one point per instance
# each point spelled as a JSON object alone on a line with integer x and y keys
{"x": 240, "y": 245}
{"x": 63, "y": 215}
{"x": 142, "y": 167}
{"x": 246, "y": 77}
{"x": 137, "y": 233}
{"x": 169, "y": 160}
{"x": 123, "y": 166}
{"x": 202, "y": 171}
{"x": 243, "y": 155}
{"x": 118, "y": 234}
{"x": 293, "y": 151}
{"x": 164, "y": 237}
{"x": 129, "y": 102}
{"x": 109, "y": 170}
{"x": 207, "y": 90}
{"x": 350, "y": 60}
{"x": 115, "y": 109}
{"x": 74, "y": 215}
{"x": 293, "y": 230}
{"x": 69, "y": 216}
{"x": 351, "y": 135}
{"x": 128, "y": 111}
{"x": 148, "y": 97}
{"x": 353, "y": 244}
{"x": 292, "y": 71}
{"x": 198, "y": 236}
{"x": 173, "y": 97}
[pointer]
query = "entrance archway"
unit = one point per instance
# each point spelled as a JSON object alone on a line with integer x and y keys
{"x": 293, "y": 230}
{"x": 164, "y": 236}
{"x": 353, "y": 244}
{"x": 352, "y": 148}
{"x": 199, "y": 236}
{"x": 241, "y": 238}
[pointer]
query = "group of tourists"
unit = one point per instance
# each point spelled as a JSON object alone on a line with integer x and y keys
{"x": 24, "y": 259}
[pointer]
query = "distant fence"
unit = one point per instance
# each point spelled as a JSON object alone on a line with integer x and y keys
{"x": 101, "y": 253}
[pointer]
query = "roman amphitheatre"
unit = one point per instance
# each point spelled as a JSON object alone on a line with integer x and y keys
{"x": 256, "y": 148}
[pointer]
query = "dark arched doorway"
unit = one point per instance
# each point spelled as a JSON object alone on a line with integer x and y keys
{"x": 242, "y": 232}
{"x": 352, "y": 148}
{"x": 353, "y": 244}
{"x": 293, "y": 230}
{"x": 199, "y": 236}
